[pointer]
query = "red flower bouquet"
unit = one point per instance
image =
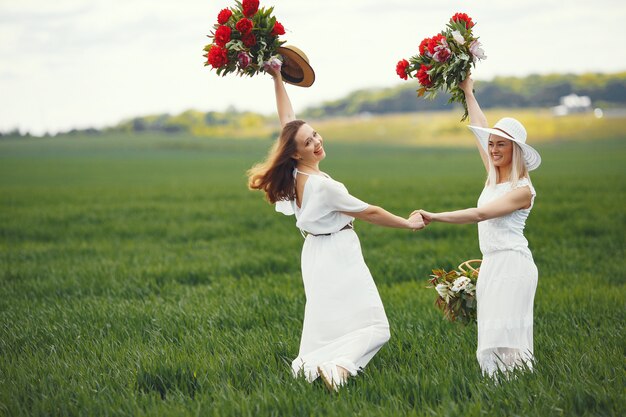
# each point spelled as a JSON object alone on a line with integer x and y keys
{"x": 445, "y": 60}
{"x": 244, "y": 40}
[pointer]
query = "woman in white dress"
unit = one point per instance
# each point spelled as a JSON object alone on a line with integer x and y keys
{"x": 344, "y": 319}
{"x": 508, "y": 276}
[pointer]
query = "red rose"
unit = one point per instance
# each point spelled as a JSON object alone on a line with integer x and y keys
{"x": 463, "y": 17}
{"x": 222, "y": 35}
{"x": 434, "y": 41}
{"x": 244, "y": 25}
{"x": 424, "y": 45}
{"x": 217, "y": 56}
{"x": 278, "y": 29}
{"x": 401, "y": 69}
{"x": 423, "y": 77}
{"x": 223, "y": 16}
{"x": 249, "y": 40}
{"x": 250, "y": 7}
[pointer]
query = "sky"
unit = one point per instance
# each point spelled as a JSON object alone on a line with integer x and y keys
{"x": 91, "y": 63}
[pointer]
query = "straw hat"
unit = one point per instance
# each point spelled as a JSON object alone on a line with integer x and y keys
{"x": 511, "y": 129}
{"x": 296, "y": 69}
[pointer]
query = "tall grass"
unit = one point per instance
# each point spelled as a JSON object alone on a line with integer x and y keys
{"x": 140, "y": 277}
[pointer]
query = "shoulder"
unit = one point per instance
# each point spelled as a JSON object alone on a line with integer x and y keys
{"x": 524, "y": 184}
{"x": 328, "y": 187}
{"x": 331, "y": 184}
{"x": 523, "y": 193}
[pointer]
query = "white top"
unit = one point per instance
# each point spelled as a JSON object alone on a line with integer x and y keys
{"x": 323, "y": 201}
{"x": 506, "y": 232}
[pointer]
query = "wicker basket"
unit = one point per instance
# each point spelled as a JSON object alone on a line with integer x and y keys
{"x": 468, "y": 265}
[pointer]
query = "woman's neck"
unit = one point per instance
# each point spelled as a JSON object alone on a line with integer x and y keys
{"x": 504, "y": 174}
{"x": 309, "y": 168}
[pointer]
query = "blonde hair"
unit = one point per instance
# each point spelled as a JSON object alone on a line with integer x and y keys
{"x": 518, "y": 168}
{"x": 274, "y": 176}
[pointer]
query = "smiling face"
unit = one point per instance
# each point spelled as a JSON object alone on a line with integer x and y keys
{"x": 309, "y": 146}
{"x": 500, "y": 151}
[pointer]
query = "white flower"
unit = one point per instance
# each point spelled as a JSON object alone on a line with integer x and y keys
{"x": 460, "y": 283}
{"x": 476, "y": 50}
{"x": 443, "y": 291}
{"x": 458, "y": 37}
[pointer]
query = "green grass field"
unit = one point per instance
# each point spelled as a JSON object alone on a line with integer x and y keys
{"x": 139, "y": 276}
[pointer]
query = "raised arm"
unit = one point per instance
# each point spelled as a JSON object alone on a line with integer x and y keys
{"x": 283, "y": 104}
{"x": 381, "y": 217}
{"x": 517, "y": 199}
{"x": 476, "y": 115}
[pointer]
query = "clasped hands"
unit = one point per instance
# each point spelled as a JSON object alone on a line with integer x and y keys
{"x": 419, "y": 219}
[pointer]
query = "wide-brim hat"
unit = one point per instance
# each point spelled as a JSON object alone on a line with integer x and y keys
{"x": 296, "y": 69}
{"x": 512, "y": 129}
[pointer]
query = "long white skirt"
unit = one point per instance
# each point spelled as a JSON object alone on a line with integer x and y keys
{"x": 344, "y": 318}
{"x": 505, "y": 294}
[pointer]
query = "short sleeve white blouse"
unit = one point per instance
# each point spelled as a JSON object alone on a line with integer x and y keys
{"x": 323, "y": 202}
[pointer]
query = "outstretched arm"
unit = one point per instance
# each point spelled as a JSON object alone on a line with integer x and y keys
{"x": 381, "y": 217}
{"x": 283, "y": 104}
{"x": 476, "y": 115}
{"x": 517, "y": 199}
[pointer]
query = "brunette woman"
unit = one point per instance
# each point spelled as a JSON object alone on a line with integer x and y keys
{"x": 344, "y": 318}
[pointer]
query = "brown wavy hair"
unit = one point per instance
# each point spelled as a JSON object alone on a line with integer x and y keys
{"x": 274, "y": 176}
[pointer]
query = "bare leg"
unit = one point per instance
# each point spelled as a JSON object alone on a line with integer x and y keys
{"x": 333, "y": 376}
{"x": 343, "y": 373}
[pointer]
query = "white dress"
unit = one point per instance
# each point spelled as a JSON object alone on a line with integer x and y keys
{"x": 344, "y": 319}
{"x": 506, "y": 287}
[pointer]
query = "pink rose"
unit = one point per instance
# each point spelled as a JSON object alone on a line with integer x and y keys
{"x": 442, "y": 51}
{"x": 477, "y": 50}
{"x": 442, "y": 55}
{"x": 274, "y": 63}
{"x": 244, "y": 59}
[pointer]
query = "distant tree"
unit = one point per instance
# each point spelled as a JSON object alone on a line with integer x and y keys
{"x": 531, "y": 91}
{"x": 550, "y": 94}
{"x": 138, "y": 124}
{"x": 615, "y": 91}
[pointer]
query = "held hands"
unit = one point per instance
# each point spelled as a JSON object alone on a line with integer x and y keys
{"x": 426, "y": 216}
{"x": 416, "y": 222}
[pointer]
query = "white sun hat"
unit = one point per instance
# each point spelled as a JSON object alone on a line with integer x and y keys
{"x": 509, "y": 128}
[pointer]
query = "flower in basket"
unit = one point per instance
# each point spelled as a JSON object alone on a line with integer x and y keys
{"x": 244, "y": 39}
{"x": 456, "y": 291}
{"x": 445, "y": 60}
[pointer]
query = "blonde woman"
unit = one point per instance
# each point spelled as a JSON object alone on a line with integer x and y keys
{"x": 344, "y": 319}
{"x": 508, "y": 276}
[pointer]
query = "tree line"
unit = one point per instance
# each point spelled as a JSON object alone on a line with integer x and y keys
{"x": 604, "y": 90}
